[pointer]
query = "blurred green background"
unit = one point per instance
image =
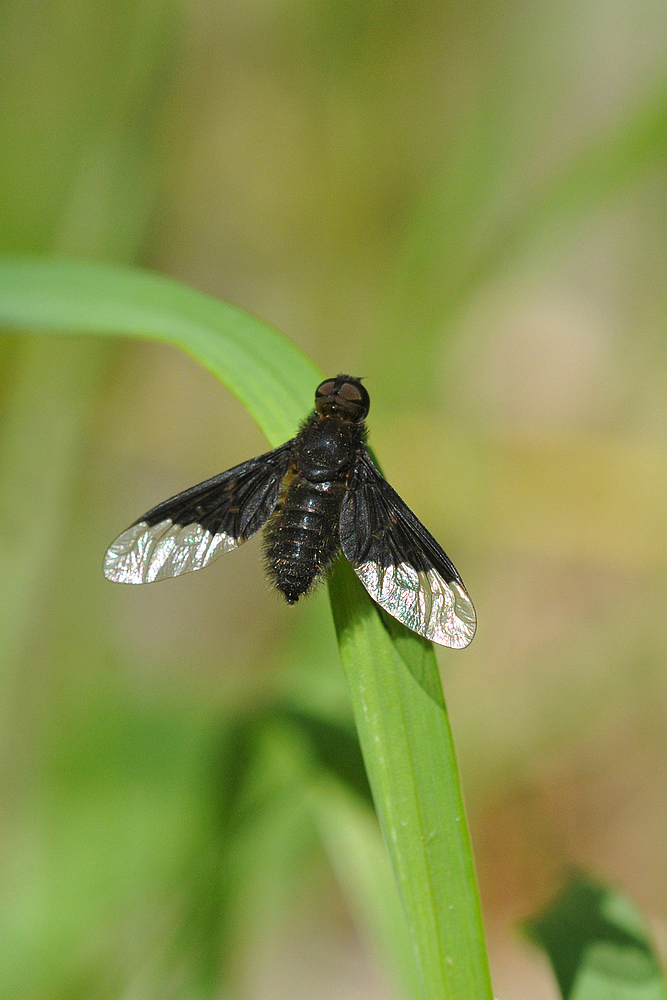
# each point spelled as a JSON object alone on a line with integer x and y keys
{"x": 467, "y": 205}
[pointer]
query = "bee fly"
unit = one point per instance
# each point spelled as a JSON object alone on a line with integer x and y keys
{"x": 316, "y": 494}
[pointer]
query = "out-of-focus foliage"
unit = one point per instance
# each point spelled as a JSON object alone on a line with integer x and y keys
{"x": 466, "y": 204}
{"x": 598, "y": 945}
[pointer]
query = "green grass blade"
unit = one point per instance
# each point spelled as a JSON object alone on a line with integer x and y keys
{"x": 268, "y": 374}
{"x": 409, "y": 754}
{"x": 392, "y": 674}
{"x": 598, "y": 945}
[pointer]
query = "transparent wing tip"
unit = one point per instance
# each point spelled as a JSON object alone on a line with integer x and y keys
{"x": 147, "y": 553}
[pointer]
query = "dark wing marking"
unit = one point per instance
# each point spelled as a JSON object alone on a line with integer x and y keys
{"x": 400, "y": 563}
{"x": 190, "y": 530}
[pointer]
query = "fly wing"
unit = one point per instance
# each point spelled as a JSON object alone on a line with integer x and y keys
{"x": 400, "y": 563}
{"x": 195, "y": 527}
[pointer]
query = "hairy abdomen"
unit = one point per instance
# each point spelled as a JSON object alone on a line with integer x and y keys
{"x": 301, "y": 539}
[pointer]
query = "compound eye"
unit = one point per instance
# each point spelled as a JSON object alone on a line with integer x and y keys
{"x": 325, "y": 388}
{"x": 351, "y": 392}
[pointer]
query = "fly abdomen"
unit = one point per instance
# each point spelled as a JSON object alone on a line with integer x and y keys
{"x": 301, "y": 539}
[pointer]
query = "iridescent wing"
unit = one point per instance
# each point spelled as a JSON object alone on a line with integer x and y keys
{"x": 400, "y": 563}
{"x": 195, "y": 527}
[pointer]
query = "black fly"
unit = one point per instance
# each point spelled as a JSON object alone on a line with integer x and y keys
{"x": 316, "y": 494}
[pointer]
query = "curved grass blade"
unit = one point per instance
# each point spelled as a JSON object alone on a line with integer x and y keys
{"x": 393, "y": 680}
{"x": 266, "y": 372}
{"x": 409, "y": 753}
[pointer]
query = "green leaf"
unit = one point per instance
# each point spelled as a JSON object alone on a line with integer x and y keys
{"x": 392, "y": 674}
{"x": 267, "y": 373}
{"x": 409, "y": 753}
{"x": 598, "y": 945}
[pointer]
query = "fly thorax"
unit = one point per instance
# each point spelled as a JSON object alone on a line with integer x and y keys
{"x": 326, "y": 451}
